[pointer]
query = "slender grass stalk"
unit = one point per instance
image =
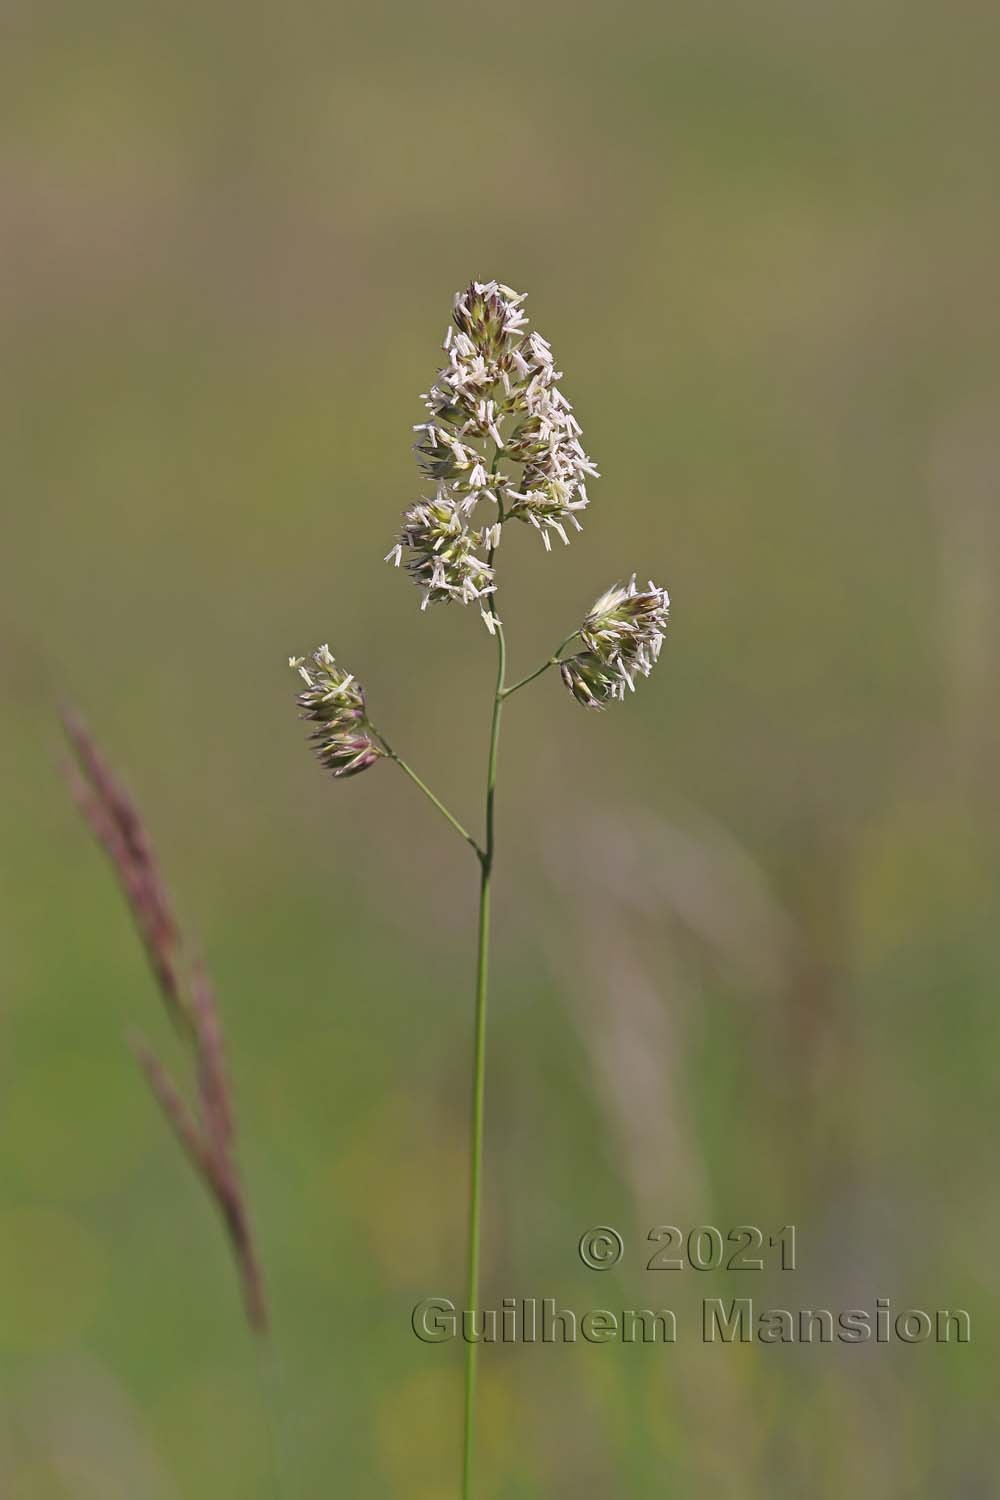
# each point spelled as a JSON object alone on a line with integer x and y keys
{"x": 479, "y": 1067}
{"x": 499, "y": 386}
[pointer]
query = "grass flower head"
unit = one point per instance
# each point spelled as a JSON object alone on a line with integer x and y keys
{"x": 499, "y": 431}
{"x": 334, "y": 699}
{"x": 622, "y": 635}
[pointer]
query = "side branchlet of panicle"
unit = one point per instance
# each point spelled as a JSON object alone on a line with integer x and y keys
{"x": 206, "y": 1131}
{"x": 334, "y": 700}
{"x": 500, "y": 433}
{"x": 622, "y": 635}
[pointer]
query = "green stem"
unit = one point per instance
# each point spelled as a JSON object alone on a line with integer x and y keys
{"x": 479, "y": 1066}
{"x": 401, "y": 763}
{"x": 478, "y": 1103}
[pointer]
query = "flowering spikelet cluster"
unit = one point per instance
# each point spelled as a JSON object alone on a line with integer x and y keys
{"x": 441, "y": 552}
{"x": 621, "y": 636}
{"x": 335, "y": 701}
{"x": 500, "y": 444}
{"x": 497, "y": 392}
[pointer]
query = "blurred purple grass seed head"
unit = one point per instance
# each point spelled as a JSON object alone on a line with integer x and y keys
{"x": 207, "y": 1132}
{"x": 117, "y": 826}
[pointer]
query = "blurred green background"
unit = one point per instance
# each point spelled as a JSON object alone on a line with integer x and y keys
{"x": 747, "y": 964}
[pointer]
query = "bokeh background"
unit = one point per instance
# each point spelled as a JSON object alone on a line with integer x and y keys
{"x": 747, "y": 964}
